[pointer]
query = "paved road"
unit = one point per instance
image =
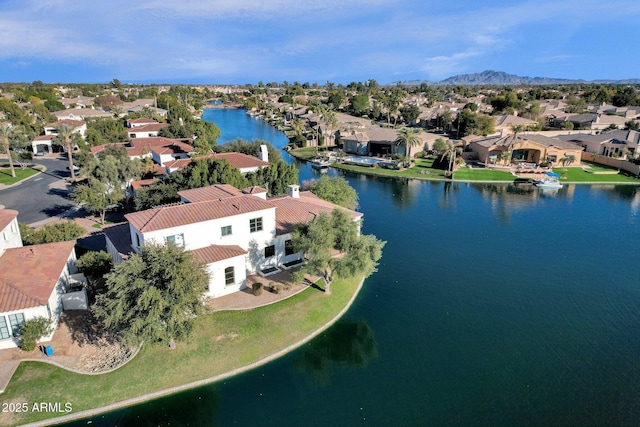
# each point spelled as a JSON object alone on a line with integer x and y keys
{"x": 43, "y": 196}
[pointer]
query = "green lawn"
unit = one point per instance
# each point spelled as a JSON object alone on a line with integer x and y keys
{"x": 576, "y": 174}
{"x": 306, "y": 153}
{"x": 467, "y": 174}
{"x": 596, "y": 167}
{"x": 221, "y": 342}
{"x": 5, "y": 174}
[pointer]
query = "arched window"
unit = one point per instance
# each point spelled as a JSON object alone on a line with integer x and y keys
{"x": 229, "y": 276}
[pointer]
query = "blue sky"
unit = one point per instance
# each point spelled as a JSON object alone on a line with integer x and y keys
{"x": 247, "y": 41}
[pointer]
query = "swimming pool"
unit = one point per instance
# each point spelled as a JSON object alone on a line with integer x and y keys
{"x": 361, "y": 161}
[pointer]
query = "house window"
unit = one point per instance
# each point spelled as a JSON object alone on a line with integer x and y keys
{"x": 4, "y": 329}
{"x": 16, "y": 321}
{"x": 137, "y": 240}
{"x": 552, "y": 158}
{"x": 229, "y": 276}
{"x": 177, "y": 240}
{"x": 288, "y": 247}
{"x": 255, "y": 224}
{"x": 269, "y": 251}
{"x": 226, "y": 230}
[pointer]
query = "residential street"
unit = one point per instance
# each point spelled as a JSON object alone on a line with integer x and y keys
{"x": 43, "y": 196}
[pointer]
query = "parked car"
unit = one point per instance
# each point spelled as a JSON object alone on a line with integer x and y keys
{"x": 39, "y": 153}
{"x": 75, "y": 168}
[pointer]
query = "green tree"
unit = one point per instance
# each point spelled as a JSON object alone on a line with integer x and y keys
{"x": 440, "y": 145}
{"x": 95, "y": 264}
{"x": 410, "y": 114}
{"x": 32, "y": 331}
{"x": 408, "y": 138}
{"x": 97, "y": 196}
{"x": 335, "y": 231}
{"x": 334, "y": 189}
{"x": 50, "y": 233}
{"x": 68, "y": 137}
{"x": 625, "y": 96}
{"x": 8, "y": 135}
{"x": 359, "y": 104}
{"x": 153, "y": 296}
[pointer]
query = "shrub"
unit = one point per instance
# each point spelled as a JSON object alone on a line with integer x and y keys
{"x": 257, "y": 288}
{"x": 32, "y": 331}
{"x": 279, "y": 288}
{"x": 94, "y": 264}
{"x": 273, "y": 287}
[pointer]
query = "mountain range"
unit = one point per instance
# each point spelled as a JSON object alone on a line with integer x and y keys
{"x": 490, "y": 77}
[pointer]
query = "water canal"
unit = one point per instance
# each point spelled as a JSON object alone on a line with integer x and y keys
{"x": 490, "y": 307}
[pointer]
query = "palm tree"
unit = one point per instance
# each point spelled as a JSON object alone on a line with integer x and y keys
{"x": 515, "y": 129}
{"x": 117, "y": 111}
{"x": 408, "y": 138}
{"x": 65, "y": 132}
{"x": 9, "y": 133}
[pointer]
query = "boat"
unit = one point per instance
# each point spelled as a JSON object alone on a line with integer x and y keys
{"x": 549, "y": 182}
{"x": 320, "y": 164}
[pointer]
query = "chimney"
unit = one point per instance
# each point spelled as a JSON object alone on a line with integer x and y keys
{"x": 264, "y": 153}
{"x": 294, "y": 191}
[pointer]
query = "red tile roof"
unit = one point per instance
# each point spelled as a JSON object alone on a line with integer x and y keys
{"x": 28, "y": 275}
{"x": 6, "y": 216}
{"x": 69, "y": 122}
{"x": 237, "y": 160}
{"x": 254, "y": 190}
{"x": 98, "y": 148}
{"x": 215, "y": 253}
{"x": 146, "y": 145}
{"x": 240, "y": 160}
{"x": 142, "y": 183}
{"x": 149, "y": 127}
{"x": 290, "y": 210}
{"x": 211, "y": 192}
{"x": 190, "y": 213}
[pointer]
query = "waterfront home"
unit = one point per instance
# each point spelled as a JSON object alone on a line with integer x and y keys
{"x": 526, "y": 148}
{"x": 235, "y": 233}
{"x": 618, "y": 143}
{"x": 243, "y": 162}
{"x": 377, "y": 141}
{"x": 33, "y": 281}
{"x": 81, "y": 114}
{"x": 144, "y": 128}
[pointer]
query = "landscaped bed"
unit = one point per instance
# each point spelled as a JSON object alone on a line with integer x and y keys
{"x": 221, "y": 342}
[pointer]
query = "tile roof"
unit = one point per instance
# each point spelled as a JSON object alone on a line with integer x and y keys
{"x": 146, "y": 145}
{"x": 254, "y": 190}
{"x": 211, "y": 192}
{"x": 69, "y": 122}
{"x": 6, "y": 216}
{"x": 174, "y": 216}
{"x": 290, "y": 210}
{"x": 149, "y": 127}
{"x": 28, "y": 275}
{"x": 142, "y": 183}
{"x": 215, "y": 253}
{"x": 240, "y": 160}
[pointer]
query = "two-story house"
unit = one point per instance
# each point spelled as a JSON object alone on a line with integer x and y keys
{"x": 235, "y": 233}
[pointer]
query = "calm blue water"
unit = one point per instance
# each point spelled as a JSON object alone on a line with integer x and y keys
{"x": 491, "y": 306}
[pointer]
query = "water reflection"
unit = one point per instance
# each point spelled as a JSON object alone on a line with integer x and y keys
{"x": 194, "y": 407}
{"x": 345, "y": 344}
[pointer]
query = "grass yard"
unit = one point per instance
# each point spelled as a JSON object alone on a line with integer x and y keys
{"x": 221, "y": 342}
{"x": 7, "y": 179}
{"x": 422, "y": 169}
{"x": 467, "y": 174}
{"x": 576, "y": 174}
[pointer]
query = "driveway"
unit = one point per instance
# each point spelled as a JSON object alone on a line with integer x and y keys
{"x": 43, "y": 196}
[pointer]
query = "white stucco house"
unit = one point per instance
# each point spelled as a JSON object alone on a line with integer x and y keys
{"x": 9, "y": 230}
{"x": 235, "y": 233}
{"x": 33, "y": 280}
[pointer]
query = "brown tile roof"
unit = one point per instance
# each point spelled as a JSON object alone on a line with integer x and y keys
{"x": 120, "y": 237}
{"x": 69, "y": 122}
{"x": 211, "y": 192}
{"x": 177, "y": 163}
{"x": 254, "y": 190}
{"x": 98, "y": 148}
{"x": 150, "y": 127}
{"x": 28, "y": 275}
{"x": 142, "y": 183}
{"x": 44, "y": 138}
{"x": 142, "y": 121}
{"x": 240, "y": 160}
{"x": 6, "y": 216}
{"x": 290, "y": 210}
{"x": 146, "y": 145}
{"x": 216, "y": 253}
{"x": 190, "y": 213}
